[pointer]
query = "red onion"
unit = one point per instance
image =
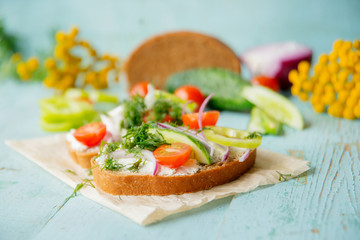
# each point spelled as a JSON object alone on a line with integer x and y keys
{"x": 202, "y": 108}
{"x": 276, "y": 60}
{"x": 184, "y": 107}
{"x": 226, "y": 155}
{"x": 245, "y": 156}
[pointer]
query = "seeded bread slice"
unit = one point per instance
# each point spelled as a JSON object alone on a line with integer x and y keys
{"x": 157, "y": 58}
{"x": 118, "y": 183}
{"x": 81, "y": 158}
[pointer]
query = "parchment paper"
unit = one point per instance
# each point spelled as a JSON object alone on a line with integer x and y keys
{"x": 51, "y": 154}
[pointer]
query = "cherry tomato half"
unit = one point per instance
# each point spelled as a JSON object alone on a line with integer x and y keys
{"x": 173, "y": 155}
{"x": 140, "y": 88}
{"x": 90, "y": 134}
{"x": 190, "y": 93}
{"x": 209, "y": 118}
{"x": 271, "y": 83}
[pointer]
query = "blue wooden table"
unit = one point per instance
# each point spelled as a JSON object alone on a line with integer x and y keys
{"x": 323, "y": 204}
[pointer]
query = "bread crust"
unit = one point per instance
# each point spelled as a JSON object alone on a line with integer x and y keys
{"x": 117, "y": 183}
{"x": 158, "y": 57}
{"x": 81, "y": 158}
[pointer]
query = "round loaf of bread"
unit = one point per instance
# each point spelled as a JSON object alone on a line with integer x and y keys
{"x": 157, "y": 58}
{"x": 118, "y": 183}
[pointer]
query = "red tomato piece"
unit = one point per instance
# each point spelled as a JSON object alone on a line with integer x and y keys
{"x": 173, "y": 155}
{"x": 91, "y": 134}
{"x": 271, "y": 83}
{"x": 209, "y": 118}
{"x": 140, "y": 88}
{"x": 190, "y": 93}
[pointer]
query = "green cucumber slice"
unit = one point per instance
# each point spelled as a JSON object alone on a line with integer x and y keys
{"x": 263, "y": 123}
{"x": 275, "y": 105}
{"x": 199, "y": 150}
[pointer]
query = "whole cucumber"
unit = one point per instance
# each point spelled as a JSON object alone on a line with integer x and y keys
{"x": 226, "y": 85}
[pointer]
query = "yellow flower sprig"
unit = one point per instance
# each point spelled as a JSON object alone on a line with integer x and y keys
{"x": 25, "y": 69}
{"x": 335, "y": 84}
{"x": 68, "y": 69}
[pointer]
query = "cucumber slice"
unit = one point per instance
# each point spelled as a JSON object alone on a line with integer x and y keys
{"x": 275, "y": 105}
{"x": 199, "y": 150}
{"x": 263, "y": 123}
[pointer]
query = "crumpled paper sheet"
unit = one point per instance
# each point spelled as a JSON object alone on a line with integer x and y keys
{"x": 51, "y": 154}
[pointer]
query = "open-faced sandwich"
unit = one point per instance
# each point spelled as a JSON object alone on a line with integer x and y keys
{"x": 162, "y": 160}
{"x": 143, "y": 156}
{"x": 84, "y": 142}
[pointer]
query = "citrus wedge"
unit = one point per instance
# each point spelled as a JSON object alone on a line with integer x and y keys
{"x": 275, "y": 105}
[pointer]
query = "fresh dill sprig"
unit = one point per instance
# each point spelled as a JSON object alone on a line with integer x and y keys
{"x": 112, "y": 165}
{"x": 139, "y": 138}
{"x": 136, "y": 165}
{"x": 70, "y": 171}
{"x": 79, "y": 186}
{"x": 164, "y": 108}
{"x": 283, "y": 177}
{"x": 133, "y": 112}
{"x": 253, "y": 135}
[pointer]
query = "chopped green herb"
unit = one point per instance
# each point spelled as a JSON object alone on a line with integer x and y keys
{"x": 164, "y": 107}
{"x": 90, "y": 173}
{"x": 111, "y": 164}
{"x": 111, "y": 147}
{"x": 120, "y": 197}
{"x": 133, "y": 112}
{"x": 136, "y": 165}
{"x": 79, "y": 186}
{"x": 253, "y": 135}
{"x": 69, "y": 171}
{"x": 89, "y": 182}
{"x": 283, "y": 177}
{"x": 139, "y": 138}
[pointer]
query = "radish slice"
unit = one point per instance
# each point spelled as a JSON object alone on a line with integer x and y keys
{"x": 150, "y": 157}
{"x": 276, "y": 60}
{"x": 202, "y": 108}
{"x": 121, "y": 153}
{"x": 184, "y": 107}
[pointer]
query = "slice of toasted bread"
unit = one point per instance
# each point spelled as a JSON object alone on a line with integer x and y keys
{"x": 82, "y": 158}
{"x": 157, "y": 58}
{"x": 118, "y": 183}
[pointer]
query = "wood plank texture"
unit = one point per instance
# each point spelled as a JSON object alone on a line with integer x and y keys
{"x": 323, "y": 203}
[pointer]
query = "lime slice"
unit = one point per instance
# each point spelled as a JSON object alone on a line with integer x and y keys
{"x": 233, "y": 137}
{"x": 263, "y": 123}
{"x": 275, "y": 105}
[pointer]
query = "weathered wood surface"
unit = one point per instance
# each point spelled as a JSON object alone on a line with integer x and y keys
{"x": 322, "y": 204}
